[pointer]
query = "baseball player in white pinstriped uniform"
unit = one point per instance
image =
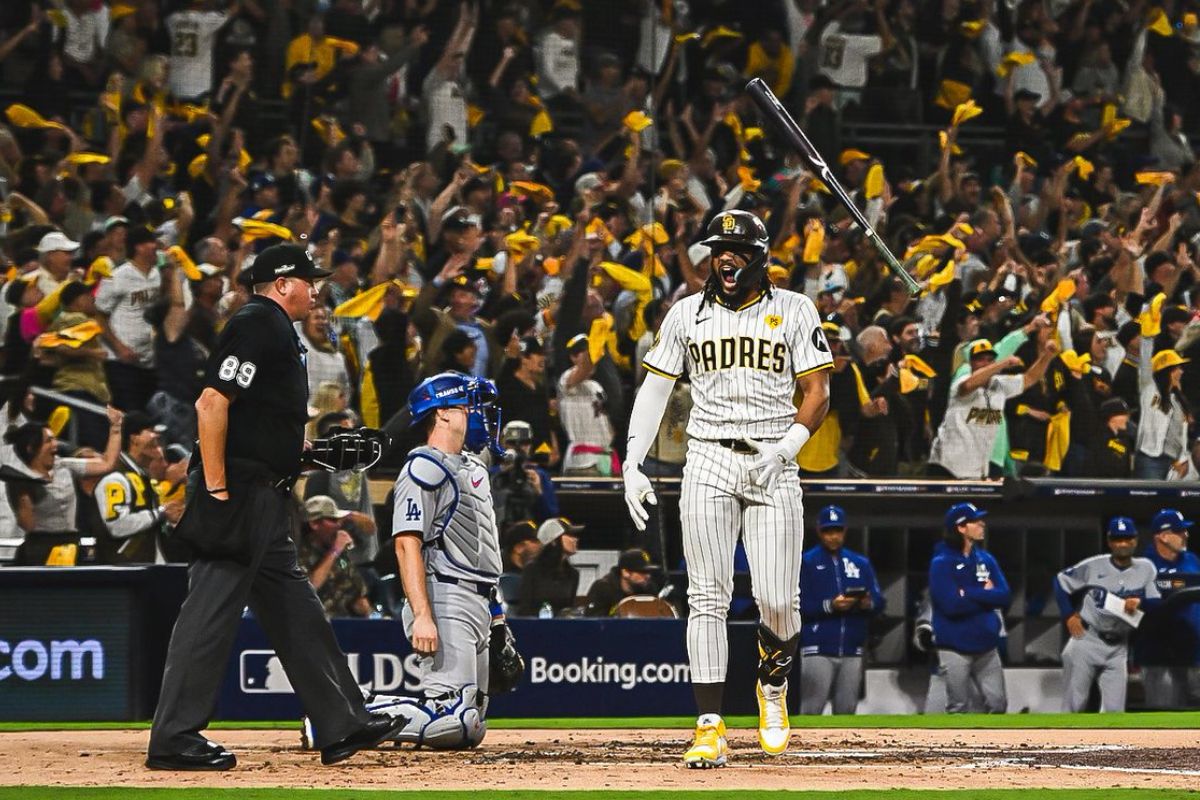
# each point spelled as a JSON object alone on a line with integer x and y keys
{"x": 746, "y": 347}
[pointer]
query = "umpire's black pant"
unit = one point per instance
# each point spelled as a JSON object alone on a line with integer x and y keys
{"x": 272, "y": 583}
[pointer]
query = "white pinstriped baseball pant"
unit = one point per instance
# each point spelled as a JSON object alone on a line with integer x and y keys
{"x": 719, "y": 500}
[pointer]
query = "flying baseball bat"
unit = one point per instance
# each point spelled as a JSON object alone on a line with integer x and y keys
{"x": 773, "y": 110}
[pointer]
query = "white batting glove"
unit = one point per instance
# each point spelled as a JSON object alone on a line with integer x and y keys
{"x": 775, "y": 456}
{"x": 638, "y": 492}
{"x": 772, "y": 460}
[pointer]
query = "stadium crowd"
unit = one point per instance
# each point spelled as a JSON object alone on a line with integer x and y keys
{"x": 516, "y": 190}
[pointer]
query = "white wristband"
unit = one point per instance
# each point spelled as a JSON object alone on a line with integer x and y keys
{"x": 794, "y": 439}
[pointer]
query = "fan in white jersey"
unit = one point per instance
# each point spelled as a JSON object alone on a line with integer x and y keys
{"x": 193, "y": 38}
{"x": 745, "y": 347}
{"x": 964, "y": 441}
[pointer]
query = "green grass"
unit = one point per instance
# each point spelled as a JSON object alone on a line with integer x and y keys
{"x": 1135, "y": 720}
{"x": 48, "y": 793}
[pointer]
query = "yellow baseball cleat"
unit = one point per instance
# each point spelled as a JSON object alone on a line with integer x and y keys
{"x": 709, "y": 748}
{"x": 774, "y": 727}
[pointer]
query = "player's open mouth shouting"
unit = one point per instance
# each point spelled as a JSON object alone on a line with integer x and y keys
{"x": 728, "y": 263}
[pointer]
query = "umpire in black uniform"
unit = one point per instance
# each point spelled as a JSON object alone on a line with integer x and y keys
{"x": 238, "y": 521}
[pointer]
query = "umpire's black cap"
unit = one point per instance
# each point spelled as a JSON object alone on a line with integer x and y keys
{"x": 282, "y": 261}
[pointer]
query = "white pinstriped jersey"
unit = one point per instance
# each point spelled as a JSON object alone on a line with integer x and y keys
{"x": 743, "y": 363}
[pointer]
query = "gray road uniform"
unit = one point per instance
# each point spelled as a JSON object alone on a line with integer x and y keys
{"x": 448, "y": 500}
{"x": 1101, "y": 655}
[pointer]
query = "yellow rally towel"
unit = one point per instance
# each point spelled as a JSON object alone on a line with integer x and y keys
{"x": 1061, "y": 294}
{"x": 818, "y": 185}
{"x": 653, "y": 232}
{"x": 814, "y": 241}
{"x": 541, "y": 124}
{"x": 185, "y": 263}
{"x": 748, "y": 181}
{"x": 1078, "y": 364}
{"x": 1027, "y": 159}
{"x": 1151, "y": 178}
{"x": 951, "y": 94}
{"x": 965, "y": 111}
{"x": 59, "y": 418}
{"x": 328, "y": 129}
{"x": 1058, "y": 438}
{"x": 1157, "y": 21}
{"x": 918, "y": 365}
{"x": 944, "y": 139}
{"x": 475, "y": 115}
{"x": 1084, "y": 167}
{"x": 637, "y": 121}
{"x": 1012, "y": 61}
{"x": 933, "y": 244}
{"x": 598, "y": 336}
{"x": 557, "y": 224}
{"x": 596, "y": 229}
{"x": 102, "y": 267}
{"x": 533, "y": 190}
{"x": 87, "y": 158}
{"x": 850, "y": 154}
{"x": 873, "y": 185}
{"x": 1112, "y": 129}
{"x": 521, "y": 244}
{"x": 786, "y": 249}
{"x": 369, "y": 304}
{"x": 719, "y": 32}
{"x": 73, "y": 337}
{"x": 943, "y": 276}
{"x": 972, "y": 27}
{"x": 1150, "y": 320}
{"x": 257, "y": 229}
{"x": 25, "y": 117}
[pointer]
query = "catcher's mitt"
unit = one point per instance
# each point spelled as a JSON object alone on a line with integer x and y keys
{"x": 356, "y": 449}
{"x": 505, "y": 665}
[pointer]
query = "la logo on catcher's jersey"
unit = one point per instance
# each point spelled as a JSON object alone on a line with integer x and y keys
{"x": 773, "y": 321}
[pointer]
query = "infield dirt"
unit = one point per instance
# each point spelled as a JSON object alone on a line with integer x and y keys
{"x": 642, "y": 759}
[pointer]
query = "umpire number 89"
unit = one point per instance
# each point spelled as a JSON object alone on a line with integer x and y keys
{"x": 241, "y": 373}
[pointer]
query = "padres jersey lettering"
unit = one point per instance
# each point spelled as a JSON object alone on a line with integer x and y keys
{"x": 743, "y": 363}
{"x": 964, "y": 441}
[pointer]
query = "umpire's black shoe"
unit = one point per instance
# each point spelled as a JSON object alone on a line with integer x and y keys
{"x": 208, "y": 756}
{"x": 380, "y": 728}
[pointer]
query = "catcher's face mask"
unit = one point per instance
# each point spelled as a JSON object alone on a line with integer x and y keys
{"x": 483, "y": 417}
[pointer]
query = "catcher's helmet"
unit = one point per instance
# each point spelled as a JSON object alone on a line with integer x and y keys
{"x": 454, "y": 389}
{"x": 744, "y": 232}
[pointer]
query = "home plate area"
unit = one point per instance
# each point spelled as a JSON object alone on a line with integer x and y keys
{"x": 828, "y": 759}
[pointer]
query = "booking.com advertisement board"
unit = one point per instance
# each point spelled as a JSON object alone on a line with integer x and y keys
{"x": 65, "y": 653}
{"x": 573, "y": 668}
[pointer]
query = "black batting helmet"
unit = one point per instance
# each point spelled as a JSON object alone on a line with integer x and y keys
{"x": 742, "y": 231}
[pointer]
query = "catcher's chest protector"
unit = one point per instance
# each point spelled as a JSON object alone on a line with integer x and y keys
{"x": 461, "y": 538}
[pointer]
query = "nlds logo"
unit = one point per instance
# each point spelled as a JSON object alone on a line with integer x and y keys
{"x": 261, "y": 672}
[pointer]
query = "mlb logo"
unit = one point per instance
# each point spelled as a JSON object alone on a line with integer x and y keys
{"x": 261, "y": 672}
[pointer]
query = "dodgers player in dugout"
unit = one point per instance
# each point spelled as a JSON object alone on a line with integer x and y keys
{"x": 838, "y": 595}
{"x": 747, "y": 348}
{"x": 1166, "y": 645}
{"x": 969, "y": 593}
{"x": 1098, "y": 650}
{"x": 448, "y": 551}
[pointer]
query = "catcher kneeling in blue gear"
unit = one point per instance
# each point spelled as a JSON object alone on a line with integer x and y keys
{"x": 448, "y": 552}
